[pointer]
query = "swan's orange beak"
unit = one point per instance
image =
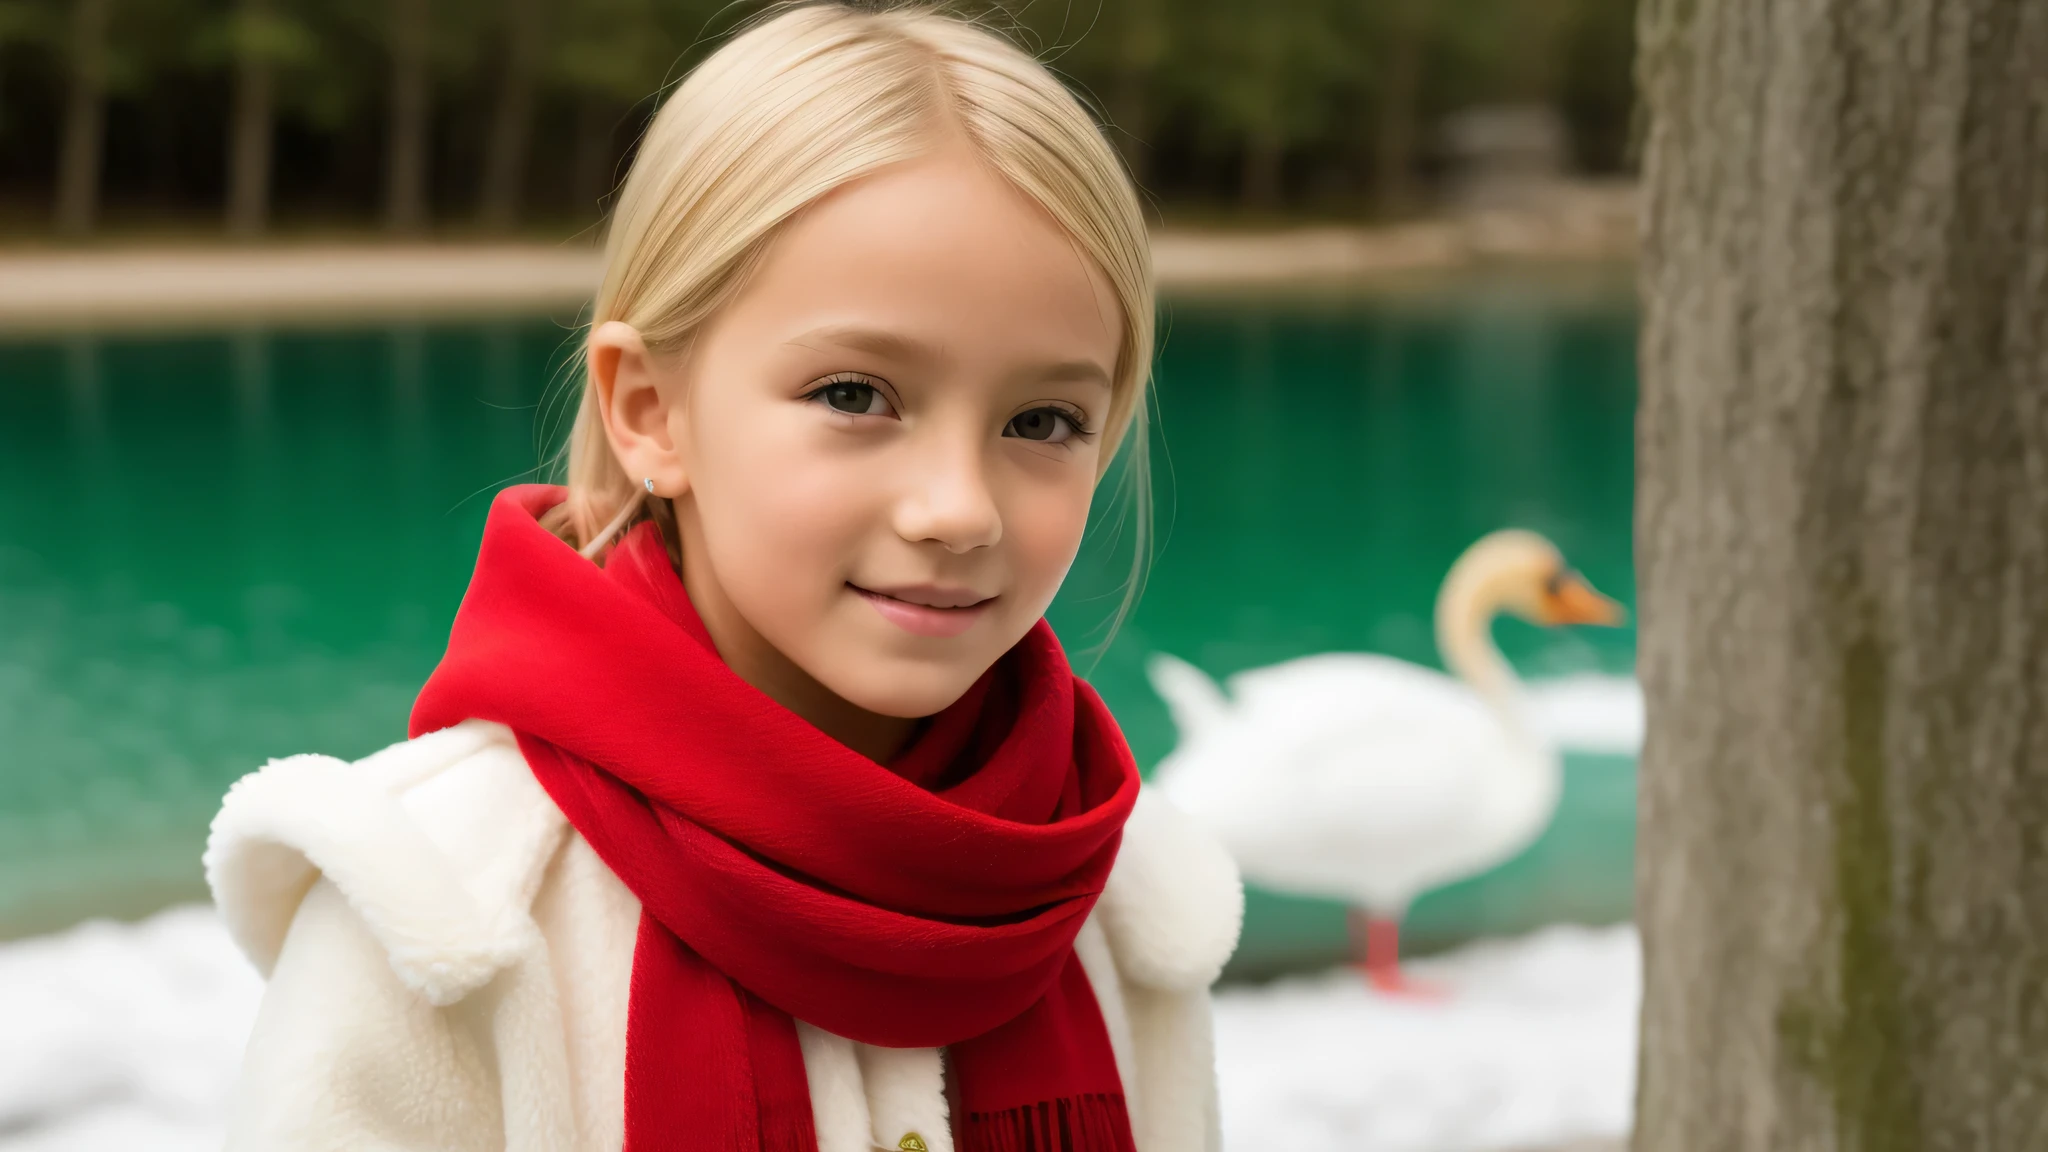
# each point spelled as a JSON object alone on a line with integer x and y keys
{"x": 1575, "y": 602}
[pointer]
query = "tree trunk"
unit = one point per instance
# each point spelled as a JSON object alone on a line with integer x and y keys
{"x": 255, "y": 113}
{"x": 78, "y": 164}
{"x": 405, "y": 165}
{"x": 512, "y": 121}
{"x": 1394, "y": 142}
{"x": 1842, "y": 541}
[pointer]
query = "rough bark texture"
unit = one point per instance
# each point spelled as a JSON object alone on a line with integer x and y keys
{"x": 249, "y": 134}
{"x": 78, "y": 165}
{"x": 405, "y": 165}
{"x": 1842, "y": 534}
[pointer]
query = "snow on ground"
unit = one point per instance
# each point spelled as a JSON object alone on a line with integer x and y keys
{"x": 122, "y": 1036}
{"x": 119, "y": 1037}
{"x": 1531, "y": 1046}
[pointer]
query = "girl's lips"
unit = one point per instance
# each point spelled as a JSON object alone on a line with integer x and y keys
{"x": 923, "y": 620}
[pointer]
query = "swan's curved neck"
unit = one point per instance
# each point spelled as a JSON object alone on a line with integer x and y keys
{"x": 1465, "y": 609}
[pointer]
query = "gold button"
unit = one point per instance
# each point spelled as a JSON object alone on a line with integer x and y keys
{"x": 911, "y": 1142}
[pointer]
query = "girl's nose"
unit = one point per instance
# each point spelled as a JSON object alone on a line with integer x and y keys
{"x": 950, "y": 500}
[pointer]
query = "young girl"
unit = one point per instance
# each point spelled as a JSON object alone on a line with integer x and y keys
{"x": 754, "y": 805}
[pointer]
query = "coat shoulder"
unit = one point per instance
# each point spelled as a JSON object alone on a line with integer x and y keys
{"x": 437, "y": 843}
{"x": 1174, "y": 903}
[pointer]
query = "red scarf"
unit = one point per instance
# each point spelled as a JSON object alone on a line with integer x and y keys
{"x": 782, "y": 875}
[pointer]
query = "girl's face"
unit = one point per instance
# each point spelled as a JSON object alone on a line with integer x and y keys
{"x": 882, "y": 451}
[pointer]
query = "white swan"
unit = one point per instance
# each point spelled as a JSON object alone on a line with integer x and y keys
{"x": 1372, "y": 780}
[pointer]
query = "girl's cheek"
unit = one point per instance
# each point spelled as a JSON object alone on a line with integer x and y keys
{"x": 1044, "y": 525}
{"x": 778, "y": 511}
{"x": 805, "y": 516}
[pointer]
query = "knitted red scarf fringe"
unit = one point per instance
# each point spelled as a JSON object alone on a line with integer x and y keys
{"x": 783, "y": 876}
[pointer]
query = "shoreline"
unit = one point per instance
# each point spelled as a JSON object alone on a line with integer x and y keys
{"x": 146, "y": 286}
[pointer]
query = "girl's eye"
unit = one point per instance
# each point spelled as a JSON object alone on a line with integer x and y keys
{"x": 1045, "y": 425}
{"x": 853, "y": 398}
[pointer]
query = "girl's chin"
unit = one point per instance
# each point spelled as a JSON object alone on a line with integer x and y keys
{"x": 906, "y": 705}
{"x": 904, "y": 687}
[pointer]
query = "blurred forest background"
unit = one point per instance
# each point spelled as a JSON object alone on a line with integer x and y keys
{"x": 495, "y": 116}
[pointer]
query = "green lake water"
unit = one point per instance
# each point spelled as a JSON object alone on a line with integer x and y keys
{"x": 220, "y": 547}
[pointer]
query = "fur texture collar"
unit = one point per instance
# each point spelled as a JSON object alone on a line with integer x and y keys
{"x": 439, "y": 843}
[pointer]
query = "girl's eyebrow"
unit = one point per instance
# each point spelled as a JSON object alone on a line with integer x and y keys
{"x": 898, "y": 346}
{"x": 880, "y": 341}
{"x": 1065, "y": 371}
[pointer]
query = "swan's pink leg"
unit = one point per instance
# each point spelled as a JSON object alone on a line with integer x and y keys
{"x": 1376, "y": 942}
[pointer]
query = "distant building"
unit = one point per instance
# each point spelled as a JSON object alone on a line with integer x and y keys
{"x": 1505, "y": 156}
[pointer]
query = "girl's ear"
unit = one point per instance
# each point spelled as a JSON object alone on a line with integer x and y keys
{"x": 641, "y": 400}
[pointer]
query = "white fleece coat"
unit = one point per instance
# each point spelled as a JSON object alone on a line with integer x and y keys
{"x": 449, "y": 966}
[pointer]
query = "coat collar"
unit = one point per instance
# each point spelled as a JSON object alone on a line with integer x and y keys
{"x": 440, "y": 843}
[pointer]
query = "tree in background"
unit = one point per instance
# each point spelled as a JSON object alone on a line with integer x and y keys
{"x": 1113, "y": 51}
{"x": 111, "y": 49}
{"x": 1257, "y": 76}
{"x": 255, "y": 110}
{"x": 409, "y": 116}
{"x": 511, "y": 132}
{"x": 365, "y": 109}
{"x": 1397, "y": 98}
{"x": 261, "y": 39}
{"x": 1138, "y": 40}
{"x": 1595, "y": 86}
{"x": 21, "y": 22}
{"x": 85, "y": 111}
{"x": 613, "y": 57}
{"x": 1842, "y": 541}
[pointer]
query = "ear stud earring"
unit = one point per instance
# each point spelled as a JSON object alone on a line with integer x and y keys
{"x": 650, "y": 485}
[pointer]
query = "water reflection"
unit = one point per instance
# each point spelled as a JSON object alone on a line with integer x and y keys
{"x": 218, "y": 548}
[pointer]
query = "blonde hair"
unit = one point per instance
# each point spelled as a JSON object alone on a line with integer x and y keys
{"x": 807, "y": 99}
